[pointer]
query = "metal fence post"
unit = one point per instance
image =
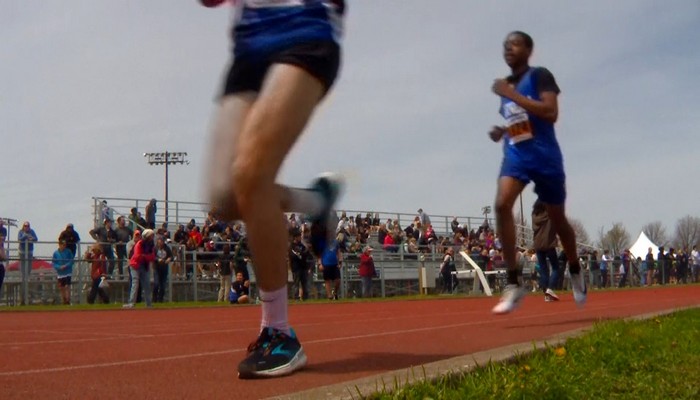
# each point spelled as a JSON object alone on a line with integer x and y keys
{"x": 194, "y": 275}
{"x": 663, "y": 271}
{"x": 382, "y": 280}
{"x": 343, "y": 278}
{"x": 26, "y": 269}
{"x": 611, "y": 278}
{"x": 170, "y": 282}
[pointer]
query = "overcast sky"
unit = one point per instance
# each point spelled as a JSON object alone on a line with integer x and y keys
{"x": 88, "y": 86}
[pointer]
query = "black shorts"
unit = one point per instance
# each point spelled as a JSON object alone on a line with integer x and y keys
{"x": 331, "y": 272}
{"x": 63, "y": 282}
{"x": 320, "y": 59}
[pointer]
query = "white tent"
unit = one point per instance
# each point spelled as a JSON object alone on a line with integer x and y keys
{"x": 641, "y": 247}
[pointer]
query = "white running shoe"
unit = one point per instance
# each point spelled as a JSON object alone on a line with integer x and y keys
{"x": 511, "y": 299}
{"x": 551, "y": 294}
{"x": 578, "y": 285}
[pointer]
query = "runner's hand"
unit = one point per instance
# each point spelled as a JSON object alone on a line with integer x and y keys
{"x": 496, "y": 133}
{"x": 502, "y": 88}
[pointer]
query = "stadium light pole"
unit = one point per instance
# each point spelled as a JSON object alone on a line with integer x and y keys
{"x": 167, "y": 158}
{"x": 486, "y": 210}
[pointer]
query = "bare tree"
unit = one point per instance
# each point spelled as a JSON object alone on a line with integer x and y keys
{"x": 656, "y": 232}
{"x": 581, "y": 234}
{"x": 687, "y": 232}
{"x": 616, "y": 239}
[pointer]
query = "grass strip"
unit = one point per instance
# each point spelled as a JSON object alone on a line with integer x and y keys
{"x": 657, "y": 358}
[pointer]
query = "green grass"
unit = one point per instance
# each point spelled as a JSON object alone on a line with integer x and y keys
{"x": 651, "y": 359}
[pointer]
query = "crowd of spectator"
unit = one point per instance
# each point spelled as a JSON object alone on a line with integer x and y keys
{"x": 215, "y": 249}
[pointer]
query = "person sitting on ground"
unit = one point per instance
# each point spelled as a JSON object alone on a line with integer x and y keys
{"x": 240, "y": 290}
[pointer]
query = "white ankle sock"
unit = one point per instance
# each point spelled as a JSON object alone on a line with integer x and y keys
{"x": 274, "y": 310}
{"x": 305, "y": 201}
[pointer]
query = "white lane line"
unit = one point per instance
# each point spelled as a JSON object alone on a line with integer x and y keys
{"x": 118, "y": 363}
{"x": 338, "y": 319}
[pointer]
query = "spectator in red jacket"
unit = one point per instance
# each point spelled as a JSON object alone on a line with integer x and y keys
{"x": 389, "y": 244}
{"x": 367, "y": 271}
{"x": 197, "y": 235}
{"x": 139, "y": 265}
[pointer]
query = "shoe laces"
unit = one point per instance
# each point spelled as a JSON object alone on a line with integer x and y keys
{"x": 267, "y": 340}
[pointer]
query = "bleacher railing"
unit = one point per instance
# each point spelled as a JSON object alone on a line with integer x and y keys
{"x": 398, "y": 275}
{"x": 181, "y": 212}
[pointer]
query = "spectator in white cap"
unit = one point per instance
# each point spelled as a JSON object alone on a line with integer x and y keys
{"x": 139, "y": 265}
{"x": 367, "y": 271}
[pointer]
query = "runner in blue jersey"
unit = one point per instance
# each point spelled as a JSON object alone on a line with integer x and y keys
{"x": 286, "y": 56}
{"x": 530, "y": 153}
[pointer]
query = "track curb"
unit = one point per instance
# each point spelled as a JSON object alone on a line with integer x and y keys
{"x": 393, "y": 380}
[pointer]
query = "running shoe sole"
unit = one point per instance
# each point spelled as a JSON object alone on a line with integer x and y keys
{"x": 296, "y": 363}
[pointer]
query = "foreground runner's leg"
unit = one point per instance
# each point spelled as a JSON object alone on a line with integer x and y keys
{"x": 264, "y": 128}
{"x": 567, "y": 236}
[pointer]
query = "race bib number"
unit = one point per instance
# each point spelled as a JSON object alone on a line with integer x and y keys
{"x": 517, "y": 124}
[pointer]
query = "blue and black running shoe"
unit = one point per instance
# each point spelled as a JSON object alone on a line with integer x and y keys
{"x": 273, "y": 354}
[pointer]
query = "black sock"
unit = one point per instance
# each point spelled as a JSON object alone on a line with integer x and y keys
{"x": 512, "y": 277}
{"x": 574, "y": 268}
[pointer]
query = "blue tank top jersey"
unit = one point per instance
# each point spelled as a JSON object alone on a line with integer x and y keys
{"x": 530, "y": 140}
{"x": 330, "y": 255}
{"x": 263, "y": 26}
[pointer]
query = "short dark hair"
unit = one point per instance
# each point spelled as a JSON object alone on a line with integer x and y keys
{"x": 526, "y": 38}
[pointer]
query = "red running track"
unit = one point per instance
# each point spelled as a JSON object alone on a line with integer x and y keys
{"x": 192, "y": 353}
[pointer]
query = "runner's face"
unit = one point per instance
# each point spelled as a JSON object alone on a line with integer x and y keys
{"x": 515, "y": 51}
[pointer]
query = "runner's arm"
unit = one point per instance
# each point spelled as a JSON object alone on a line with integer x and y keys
{"x": 547, "y": 108}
